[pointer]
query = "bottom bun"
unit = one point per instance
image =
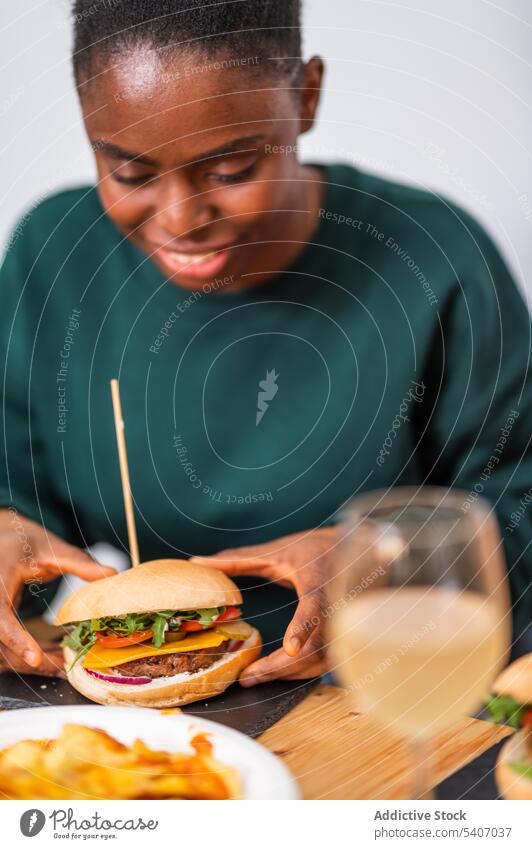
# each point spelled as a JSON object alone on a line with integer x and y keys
{"x": 169, "y": 691}
{"x": 511, "y": 784}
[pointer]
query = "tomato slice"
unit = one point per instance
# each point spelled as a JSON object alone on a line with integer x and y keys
{"x": 115, "y": 642}
{"x": 191, "y": 625}
{"x": 229, "y": 613}
{"x": 526, "y": 721}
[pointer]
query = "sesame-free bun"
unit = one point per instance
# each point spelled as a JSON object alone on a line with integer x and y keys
{"x": 170, "y": 691}
{"x": 157, "y": 585}
{"x": 516, "y": 681}
{"x": 511, "y": 784}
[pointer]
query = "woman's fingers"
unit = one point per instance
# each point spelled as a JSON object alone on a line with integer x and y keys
{"x": 51, "y": 664}
{"x": 51, "y": 556}
{"x": 59, "y": 557}
{"x": 296, "y": 561}
{"x": 33, "y": 555}
{"x": 14, "y": 637}
{"x": 235, "y": 564}
{"x": 239, "y": 562}
{"x": 306, "y": 619}
{"x": 275, "y": 665}
{"x": 279, "y": 664}
{"x": 314, "y": 669}
{"x": 88, "y": 569}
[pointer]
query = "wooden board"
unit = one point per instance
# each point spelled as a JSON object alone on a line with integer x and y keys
{"x": 335, "y": 753}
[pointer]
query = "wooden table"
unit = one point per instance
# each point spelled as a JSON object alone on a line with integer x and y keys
{"x": 335, "y": 753}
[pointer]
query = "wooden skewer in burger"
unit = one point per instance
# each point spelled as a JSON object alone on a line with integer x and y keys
{"x": 161, "y": 634}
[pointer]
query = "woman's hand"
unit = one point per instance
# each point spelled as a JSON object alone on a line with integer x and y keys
{"x": 52, "y": 664}
{"x": 298, "y": 561}
{"x": 29, "y": 554}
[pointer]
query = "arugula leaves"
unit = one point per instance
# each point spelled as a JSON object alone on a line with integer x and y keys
{"x": 82, "y": 636}
{"x": 523, "y": 767}
{"x": 507, "y": 710}
{"x": 159, "y": 627}
{"x": 206, "y": 615}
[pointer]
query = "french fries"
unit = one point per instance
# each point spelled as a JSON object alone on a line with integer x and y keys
{"x": 87, "y": 763}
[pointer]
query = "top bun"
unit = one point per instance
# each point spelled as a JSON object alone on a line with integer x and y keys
{"x": 157, "y": 585}
{"x": 516, "y": 681}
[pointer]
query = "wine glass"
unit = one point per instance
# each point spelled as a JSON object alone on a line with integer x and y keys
{"x": 419, "y": 612}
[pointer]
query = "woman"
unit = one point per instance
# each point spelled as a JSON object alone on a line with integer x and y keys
{"x": 286, "y": 335}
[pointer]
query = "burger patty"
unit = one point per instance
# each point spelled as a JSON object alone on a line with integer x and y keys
{"x": 173, "y": 664}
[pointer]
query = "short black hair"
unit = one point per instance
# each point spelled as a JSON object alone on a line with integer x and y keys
{"x": 268, "y": 30}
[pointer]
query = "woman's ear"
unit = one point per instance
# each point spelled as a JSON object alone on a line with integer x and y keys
{"x": 310, "y": 92}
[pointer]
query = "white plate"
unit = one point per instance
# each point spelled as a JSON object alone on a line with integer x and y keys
{"x": 264, "y": 776}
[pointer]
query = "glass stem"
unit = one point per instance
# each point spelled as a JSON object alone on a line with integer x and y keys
{"x": 421, "y": 764}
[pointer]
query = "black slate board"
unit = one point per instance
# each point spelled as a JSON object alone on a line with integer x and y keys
{"x": 476, "y": 780}
{"x": 251, "y": 711}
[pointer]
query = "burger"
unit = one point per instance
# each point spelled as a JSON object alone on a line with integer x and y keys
{"x": 165, "y": 633}
{"x": 511, "y": 703}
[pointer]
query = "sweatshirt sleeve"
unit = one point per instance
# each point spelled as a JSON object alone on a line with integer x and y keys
{"x": 478, "y": 436}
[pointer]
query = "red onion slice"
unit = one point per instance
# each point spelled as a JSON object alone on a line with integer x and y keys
{"x": 118, "y": 679}
{"x": 235, "y": 645}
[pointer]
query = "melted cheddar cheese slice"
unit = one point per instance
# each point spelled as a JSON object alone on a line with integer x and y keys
{"x": 101, "y": 657}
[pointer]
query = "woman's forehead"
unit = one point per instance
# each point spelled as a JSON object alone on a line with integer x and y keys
{"x": 150, "y": 79}
{"x": 180, "y": 108}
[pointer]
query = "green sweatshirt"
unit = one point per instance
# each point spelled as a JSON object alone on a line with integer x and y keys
{"x": 394, "y": 351}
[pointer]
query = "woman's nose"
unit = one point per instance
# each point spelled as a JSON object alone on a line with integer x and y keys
{"x": 181, "y": 208}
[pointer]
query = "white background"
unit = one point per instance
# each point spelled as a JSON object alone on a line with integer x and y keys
{"x": 437, "y": 92}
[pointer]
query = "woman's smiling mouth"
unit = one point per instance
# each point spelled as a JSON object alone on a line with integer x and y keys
{"x": 201, "y": 266}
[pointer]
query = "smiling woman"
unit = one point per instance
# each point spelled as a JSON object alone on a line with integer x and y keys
{"x": 176, "y": 107}
{"x": 266, "y": 346}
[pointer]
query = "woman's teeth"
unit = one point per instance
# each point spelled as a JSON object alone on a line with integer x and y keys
{"x": 190, "y": 259}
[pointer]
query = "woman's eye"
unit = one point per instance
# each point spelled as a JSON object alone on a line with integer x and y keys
{"x": 234, "y": 178}
{"x": 132, "y": 181}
